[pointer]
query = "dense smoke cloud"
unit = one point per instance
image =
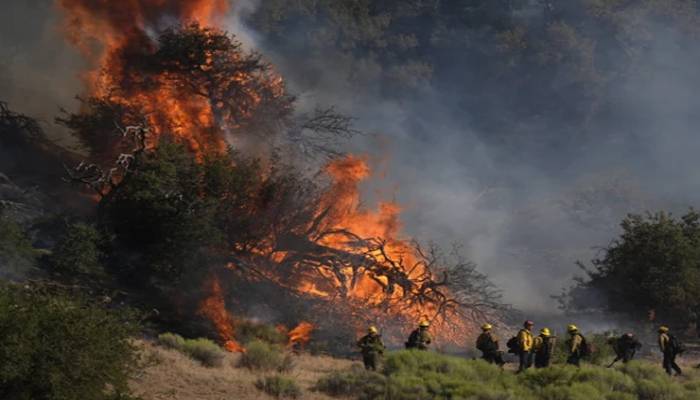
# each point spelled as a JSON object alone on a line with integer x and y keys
{"x": 527, "y": 199}
{"x": 38, "y": 70}
{"x": 532, "y": 198}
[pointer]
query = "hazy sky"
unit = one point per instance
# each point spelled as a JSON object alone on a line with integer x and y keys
{"x": 525, "y": 208}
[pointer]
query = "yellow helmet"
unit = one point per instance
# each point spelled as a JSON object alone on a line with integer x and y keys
{"x": 572, "y": 328}
{"x": 663, "y": 329}
{"x": 424, "y": 324}
{"x": 486, "y": 327}
{"x": 545, "y": 332}
{"x": 372, "y": 329}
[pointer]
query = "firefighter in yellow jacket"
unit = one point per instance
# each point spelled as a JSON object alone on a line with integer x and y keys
{"x": 487, "y": 343}
{"x": 670, "y": 348}
{"x": 525, "y": 342}
{"x": 543, "y": 348}
{"x": 577, "y": 345}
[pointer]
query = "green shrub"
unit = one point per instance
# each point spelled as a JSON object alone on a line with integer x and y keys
{"x": 57, "y": 346}
{"x": 279, "y": 387}
{"x": 172, "y": 341}
{"x": 202, "y": 350}
{"x": 606, "y": 380}
{"x": 78, "y": 251}
{"x": 248, "y": 331}
{"x": 421, "y": 375}
{"x": 17, "y": 255}
{"x": 264, "y": 356}
{"x": 354, "y": 383}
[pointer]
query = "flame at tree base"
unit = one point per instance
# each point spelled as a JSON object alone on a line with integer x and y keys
{"x": 214, "y": 308}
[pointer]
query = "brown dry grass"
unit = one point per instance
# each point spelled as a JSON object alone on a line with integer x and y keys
{"x": 172, "y": 375}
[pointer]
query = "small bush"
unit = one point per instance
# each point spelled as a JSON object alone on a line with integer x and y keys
{"x": 202, "y": 350}
{"x": 17, "y": 255}
{"x": 248, "y": 331}
{"x": 354, "y": 383}
{"x": 264, "y": 356}
{"x": 78, "y": 251}
{"x": 172, "y": 341}
{"x": 56, "y": 346}
{"x": 279, "y": 387}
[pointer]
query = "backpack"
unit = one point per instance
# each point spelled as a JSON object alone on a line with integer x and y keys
{"x": 586, "y": 349}
{"x": 412, "y": 340}
{"x": 513, "y": 345}
{"x": 547, "y": 345}
{"x": 675, "y": 345}
{"x": 485, "y": 344}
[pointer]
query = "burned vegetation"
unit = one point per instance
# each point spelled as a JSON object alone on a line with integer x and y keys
{"x": 196, "y": 153}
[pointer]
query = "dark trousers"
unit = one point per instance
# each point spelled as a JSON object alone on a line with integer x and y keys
{"x": 371, "y": 360}
{"x": 670, "y": 365}
{"x": 574, "y": 359}
{"x": 525, "y": 360}
{"x": 542, "y": 360}
{"x": 493, "y": 357}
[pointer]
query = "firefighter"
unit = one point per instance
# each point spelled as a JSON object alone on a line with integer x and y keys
{"x": 577, "y": 345}
{"x": 487, "y": 343}
{"x": 525, "y": 342}
{"x": 420, "y": 338}
{"x": 372, "y": 348}
{"x": 670, "y": 348}
{"x": 626, "y": 346}
{"x": 543, "y": 347}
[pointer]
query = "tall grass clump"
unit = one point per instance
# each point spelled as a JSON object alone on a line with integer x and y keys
{"x": 203, "y": 350}
{"x": 279, "y": 386}
{"x": 263, "y": 356}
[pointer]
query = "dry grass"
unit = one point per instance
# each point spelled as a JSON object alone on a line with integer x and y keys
{"x": 172, "y": 375}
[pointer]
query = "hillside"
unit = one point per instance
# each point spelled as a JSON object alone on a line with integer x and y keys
{"x": 412, "y": 375}
{"x": 174, "y": 376}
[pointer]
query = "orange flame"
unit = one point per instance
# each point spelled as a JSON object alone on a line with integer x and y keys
{"x": 300, "y": 335}
{"x": 115, "y": 35}
{"x": 214, "y": 308}
{"x": 108, "y": 32}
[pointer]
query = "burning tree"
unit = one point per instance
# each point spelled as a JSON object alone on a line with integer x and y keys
{"x": 186, "y": 210}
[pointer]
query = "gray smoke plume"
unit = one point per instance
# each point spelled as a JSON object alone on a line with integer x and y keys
{"x": 527, "y": 200}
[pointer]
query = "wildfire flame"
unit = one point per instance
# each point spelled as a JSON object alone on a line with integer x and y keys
{"x": 115, "y": 36}
{"x": 300, "y": 335}
{"x": 214, "y": 308}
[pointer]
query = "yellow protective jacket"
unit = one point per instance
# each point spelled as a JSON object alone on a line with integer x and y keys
{"x": 539, "y": 347}
{"x": 525, "y": 340}
{"x": 575, "y": 343}
{"x": 663, "y": 342}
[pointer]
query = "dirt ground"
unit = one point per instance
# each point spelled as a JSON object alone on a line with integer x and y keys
{"x": 172, "y": 375}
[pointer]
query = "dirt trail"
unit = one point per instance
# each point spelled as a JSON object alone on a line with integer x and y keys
{"x": 173, "y": 376}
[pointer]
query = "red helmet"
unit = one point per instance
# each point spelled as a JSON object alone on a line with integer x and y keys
{"x": 528, "y": 323}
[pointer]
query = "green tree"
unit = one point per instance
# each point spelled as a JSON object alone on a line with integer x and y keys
{"x": 57, "y": 347}
{"x": 78, "y": 252}
{"x": 653, "y": 265}
{"x": 162, "y": 222}
{"x": 17, "y": 254}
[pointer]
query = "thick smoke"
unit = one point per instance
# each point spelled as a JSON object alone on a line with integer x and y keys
{"x": 526, "y": 206}
{"x": 37, "y": 68}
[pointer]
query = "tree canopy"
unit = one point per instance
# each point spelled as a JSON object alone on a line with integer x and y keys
{"x": 651, "y": 270}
